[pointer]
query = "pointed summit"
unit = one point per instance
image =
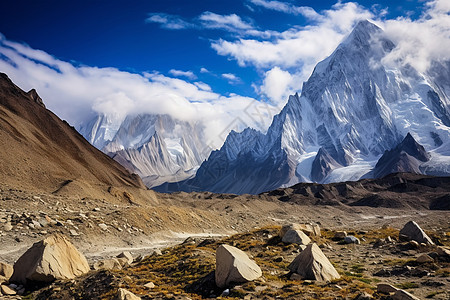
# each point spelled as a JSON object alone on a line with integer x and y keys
{"x": 406, "y": 157}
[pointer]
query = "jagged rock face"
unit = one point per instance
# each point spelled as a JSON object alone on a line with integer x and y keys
{"x": 351, "y": 110}
{"x": 406, "y": 157}
{"x": 156, "y": 147}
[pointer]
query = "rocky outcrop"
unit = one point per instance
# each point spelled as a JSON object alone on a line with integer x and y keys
{"x": 52, "y": 258}
{"x": 312, "y": 264}
{"x": 234, "y": 266}
{"x": 413, "y": 232}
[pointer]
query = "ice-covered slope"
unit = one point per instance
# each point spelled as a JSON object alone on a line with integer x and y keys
{"x": 351, "y": 110}
{"x": 157, "y": 147}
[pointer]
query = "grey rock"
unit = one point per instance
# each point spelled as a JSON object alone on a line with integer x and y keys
{"x": 413, "y": 231}
{"x": 424, "y": 258}
{"x": 293, "y": 236}
{"x": 350, "y": 239}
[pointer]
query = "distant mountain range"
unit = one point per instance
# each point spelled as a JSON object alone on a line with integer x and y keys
{"x": 156, "y": 147}
{"x": 355, "y": 118}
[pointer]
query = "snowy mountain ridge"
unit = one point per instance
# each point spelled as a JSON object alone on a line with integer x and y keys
{"x": 156, "y": 147}
{"x": 352, "y": 109}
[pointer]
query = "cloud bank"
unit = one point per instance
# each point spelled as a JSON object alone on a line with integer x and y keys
{"x": 77, "y": 93}
{"x": 283, "y": 59}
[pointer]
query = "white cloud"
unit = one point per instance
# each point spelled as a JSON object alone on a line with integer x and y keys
{"x": 179, "y": 73}
{"x": 77, "y": 93}
{"x": 168, "y": 21}
{"x": 286, "y": 8}
{"x": 278, "y": 85}
{"x": 420, "y": 42}
{"x": 298, "y": 47}
{"x": 231, "y": 78}
{"x": 204, "y": 70}
{"x": 227, "y": 22}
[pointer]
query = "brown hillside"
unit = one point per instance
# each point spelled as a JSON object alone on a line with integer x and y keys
{"x": 40, "y": 152}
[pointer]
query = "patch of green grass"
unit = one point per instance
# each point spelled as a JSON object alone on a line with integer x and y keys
{"x": 407, "y": 285}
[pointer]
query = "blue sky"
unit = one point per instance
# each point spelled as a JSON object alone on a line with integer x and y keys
{"x": 191, "y": 59}
{"x": 116, "y": 34}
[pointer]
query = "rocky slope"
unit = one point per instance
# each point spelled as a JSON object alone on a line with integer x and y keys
{"x": 45, "y": 154}
{"x": 351, "y": 110}
{"x": 156, "y": 147}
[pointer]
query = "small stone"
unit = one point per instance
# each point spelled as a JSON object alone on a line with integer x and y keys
{"x": 7, "y": 226}
{"x": 424, "y": 258}
{"x": 340, "y": 235}
{"x": 73, "y": 232}
{"x": 364, "y": 296}
{"x": 278, "y": 259}
{"x": 96, "y": 209}
{"x": 126, "y": 255}
{"x": 226, "y": 293}
{"x": 7, "y": 291}
{"x": 103, "y": 226}
{"x": 149, "y": 285}
{"x": 157, "y": 252}
{"x": 350, "y": 239}
{"x": 6, "y": 270}
{"x": 36, "y": 224}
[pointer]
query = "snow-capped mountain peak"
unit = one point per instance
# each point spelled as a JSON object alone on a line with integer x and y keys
{"x": 352, "y": 109}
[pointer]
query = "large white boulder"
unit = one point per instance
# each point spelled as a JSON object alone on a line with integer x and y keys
{"x": 312, "y": 264}
{"x": 234, "y": 266}
{"x": 52, "y": 258}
